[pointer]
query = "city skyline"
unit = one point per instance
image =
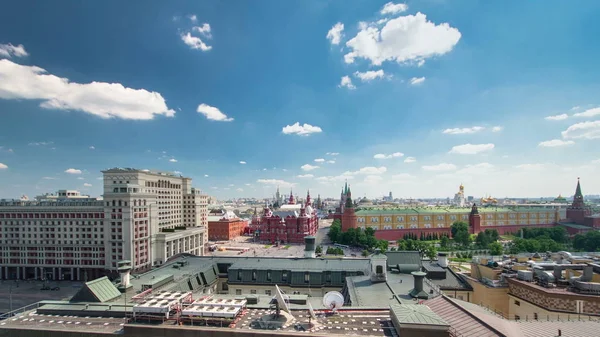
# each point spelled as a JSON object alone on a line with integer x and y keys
{"x": 414, "y": 99}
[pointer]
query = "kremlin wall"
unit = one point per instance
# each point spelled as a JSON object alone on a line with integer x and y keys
{"x": 393, "y": 223}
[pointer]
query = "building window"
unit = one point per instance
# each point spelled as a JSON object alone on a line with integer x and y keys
{"x": 239, "y": 275}
{"x": 373, "y": 219}
{"x": 284, "y": 276}
{"x": 306, "y": 277}
{"x": 328, "y": 276}
{"x": 426, "y": 218}
{"x": 440, "y": 217}
{"x": 379, "y": 270}
{"x": 535, "y": 316}
{"x": 254, "y": 275}
{"x": 268, "y": 292}
{"x": 400, "y": 227}
{"x": 400, "y": 219}
{"x": 413, "y": 218}
{"x": 517, "y": 318}
{"x": 453, "y": 217}
{"x": 517, "y": 303}
{"x": 268, "y": 275}
{"x": 238, "y": 291}
{"x": 253, "y": 291}
{"x": 427, "y": 225}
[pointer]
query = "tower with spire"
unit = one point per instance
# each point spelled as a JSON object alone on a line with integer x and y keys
{"x": 348, "y": 215}
{"x": 578, "y": 210}
{"x": 292, "y": 201}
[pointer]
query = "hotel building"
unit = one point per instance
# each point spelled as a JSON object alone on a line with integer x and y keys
{"x": 144, "y": 217}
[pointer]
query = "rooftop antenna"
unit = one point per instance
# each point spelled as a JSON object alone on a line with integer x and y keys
{"x": 333, "y": 300}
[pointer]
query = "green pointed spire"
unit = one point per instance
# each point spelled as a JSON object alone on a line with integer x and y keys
{"x": 346, "y": 187}
{"x": 578, "y": 193}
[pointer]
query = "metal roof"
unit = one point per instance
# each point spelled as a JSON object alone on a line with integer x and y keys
{"x": 301, "y": 264}
{"x": 415, "y": 314}
{"x": 403, "y": 257}
{"x": 466, "y": 324}
{"x": 98, "y": 290}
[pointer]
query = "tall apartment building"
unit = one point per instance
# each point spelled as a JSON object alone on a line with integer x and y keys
{"x": 145, "y": 217}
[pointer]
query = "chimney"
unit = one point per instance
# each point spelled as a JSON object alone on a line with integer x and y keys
{"x": 443, "y": 260}
{"x": 417, "y": 291}
{"x": 588, "y": 274}
{"x": 309, "y": 247}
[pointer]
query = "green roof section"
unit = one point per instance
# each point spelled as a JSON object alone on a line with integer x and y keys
{"x": 411, "y": 314}
{"x": 99, "y": 290}
{"x": 447, "y": 210}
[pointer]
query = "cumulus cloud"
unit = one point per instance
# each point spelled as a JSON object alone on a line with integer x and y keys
{"x": 392, "y": 8}
{"x": 584, "y": 130}
{"x": 305, "y": 176}
{"x": 369, "y": 75}
{"x": 276, "y": 182}
{"x": 8, "y": 50}
{"x": 331, "y": 162}
{"x": 319, "y": 160}
{"x": 334, "y": 35}
{"x": 388, "y": 156}
{"x": 40, "y": 143}
{"x": 497, "y": 128}
{"x": 204, "y": 30}
{"x": 332, "y": 153}
{"x": 301, "y": 130}
{"x": 308, "y": 167}
{"x": 212, "y": 113}
{"x": 105, "y": 100}
{"x": 80, "y": 178}
{"x": 87, "y": 185}
{"x": 556, "y": 143}
{"x": 404, "y": 39}
{"x": 560, "y": 117}
{"x": 206, "y": 176}
{"x": 194, "y": 42}
{"x": 173, "y": 160}
{"x": 588, "y": 113}
{"x": 53, "y": 178}
{"x": 3, "y": 166}
{"x": 177, "y": 172}
{"x": 92, "y": 147}
{"x": 462, "y": 131}
{"x": 240, "y": 189}
{"x": 73, "y": 171}
{"x": 332, "y": 179}
{"x": 471, "y": 148}
{"x": 193, "y": 18}
{"x": 369, "y": 170}
{"x": 410, "y": 160}
{"x": 417, "y": 80}
{"x": 439, "y": 167}
{"x": 346, "y": 81}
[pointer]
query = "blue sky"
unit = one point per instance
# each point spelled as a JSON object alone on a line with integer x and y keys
{"x": 412, "y": 97}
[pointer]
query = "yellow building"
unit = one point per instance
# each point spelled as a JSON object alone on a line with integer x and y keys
{"x": 382, "y": 219}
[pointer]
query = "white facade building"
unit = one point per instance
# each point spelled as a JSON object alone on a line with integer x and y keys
{"x": 145, "y": 217}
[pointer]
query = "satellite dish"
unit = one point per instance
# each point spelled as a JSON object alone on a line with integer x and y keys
{"x": 281, "y": 300}
{"x": 333, "y": 300}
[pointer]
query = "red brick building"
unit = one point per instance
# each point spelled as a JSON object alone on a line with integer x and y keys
{"x": 288, "y": 224}
{"x": 225, "y": 225}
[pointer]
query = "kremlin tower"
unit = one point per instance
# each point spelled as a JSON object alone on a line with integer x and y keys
{"x": 348, "y": 215}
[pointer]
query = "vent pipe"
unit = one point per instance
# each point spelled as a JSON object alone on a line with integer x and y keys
{"x": 309, "y": 247}
{"x": 443, "y": 260}
{"x": 417, "y": 291}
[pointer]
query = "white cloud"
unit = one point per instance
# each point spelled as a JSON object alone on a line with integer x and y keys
{"x": 73, "y": 171}
{"x": 388, "y": 156}
{"x": 471, "y": 148}
{"x": 248, "y": 184}
{"x": 177, "y": 172}
{"x": 331, "y": 179}
{"x": 334, "y": 35}
{"x": 584, "y": 130}
{"x": 87, "y": 185}
{"x": 392, "y": 8}
{"x": 276, "y": 182}
{"x": 588, "y": 113}
{"x": 193, "y": 18}
{"x": 3, "y": 166}
{"x": 308, "y": 167}
{"x": 332, "y": 153}
{"x": 80, "y": 178}
{"x": 242, "y": 162}
{"x": 173, "y": 160}
{"x": 53, "y": 178}
{"x": 319, "y": 160}
{"x": 105, "y": 100}
{"x": 305, "y": 176}
{"x": 480, "y": 168}
{"x": 497, "y": 128}
{"x": 369, "y": 170}
{"x": 369, "y": 75}
{"x": 556, "y": 143}
{"x": 346, "y": 81}
{"x": 92, "y": 147}
{"x": 531, "y": 167}
{"x": 403, "y": 39}
{"x": 417, "y": 80}
{"x": 264, "y": 169}
{"x": 240, "y": 189}
{"x": 8, "y": 50}
{"x": 560, "y": 117}
{"x": 331, "y": 162}
{"x": 372, "y": 179}
{"x": 462, "y": 131}
{"x": 410, "y": 160}
{"x": 194, "y": 42}
{"x": 439, "y": 167}
{"x": 204, "y": 30}
{"x": 212, "y": 113}
{"x": 40, "y": 143}
{"x": 301, "y": 130}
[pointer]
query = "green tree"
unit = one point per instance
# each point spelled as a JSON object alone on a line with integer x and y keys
{"x": 431, "y": 252}
{"x": 495, "y": 248}
{"x": 459, "y": 226}
{"x": 319, "y": 250}
{"x": 463, "y": 238}
{"x": 365, "y": 253}
{"x": 444, "y": 241}
{"x": 335, "y": 231}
